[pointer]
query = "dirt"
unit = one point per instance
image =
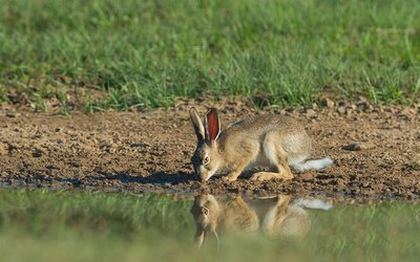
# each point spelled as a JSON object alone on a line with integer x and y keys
{"x": 376, "y": 151}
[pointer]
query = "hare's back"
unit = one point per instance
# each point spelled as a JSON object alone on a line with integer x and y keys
{"x": 262, "y": 124}
{"x": 278, "y": 130}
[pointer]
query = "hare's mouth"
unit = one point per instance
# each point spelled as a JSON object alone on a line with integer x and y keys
{"x": 204, "y": 178}
{"x": 209, "y": 174}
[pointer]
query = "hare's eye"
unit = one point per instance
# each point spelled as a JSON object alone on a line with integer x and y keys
{"x": 206, "y": 160}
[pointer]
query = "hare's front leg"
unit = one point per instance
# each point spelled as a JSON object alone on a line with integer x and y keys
{"x": 239, "y": 167}
{"x": 247, "y": 153}
{"x": 236, "y": 171}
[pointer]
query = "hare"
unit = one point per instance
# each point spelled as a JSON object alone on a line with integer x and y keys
{"x": 276, "y": 216}
{"x": 209, "y": 213}
{"x": 266, "y": 141}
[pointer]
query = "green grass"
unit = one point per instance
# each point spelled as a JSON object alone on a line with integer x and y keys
{"x": 119, "y": 54}
{"x": 76, "y": 226}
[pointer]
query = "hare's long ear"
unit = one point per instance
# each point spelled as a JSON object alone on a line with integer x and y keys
{"x": 212, "y": 125}
{"x": 199, "y": 237}
{"x": 197, "y": 124}
{"x": 216, "y": 236}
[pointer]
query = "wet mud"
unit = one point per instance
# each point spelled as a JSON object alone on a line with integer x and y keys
{"x": 376, "y": 151}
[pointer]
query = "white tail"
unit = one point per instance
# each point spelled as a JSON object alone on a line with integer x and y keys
{"x": 313, "y": 164}
{"x": 313, "y": 204}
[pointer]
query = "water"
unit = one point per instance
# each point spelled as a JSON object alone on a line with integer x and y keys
{"x": 41, "y": 225}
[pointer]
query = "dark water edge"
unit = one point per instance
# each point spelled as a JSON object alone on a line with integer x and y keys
{"x": 187, "y": 189}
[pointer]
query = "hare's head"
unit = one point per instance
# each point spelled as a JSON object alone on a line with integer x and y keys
{"x": 205, "y": 211}
{"x": 206, "y": 159}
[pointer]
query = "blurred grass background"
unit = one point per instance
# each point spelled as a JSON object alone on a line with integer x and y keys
{"x": 101, "y": 54}
{"x": 40, "y": 225}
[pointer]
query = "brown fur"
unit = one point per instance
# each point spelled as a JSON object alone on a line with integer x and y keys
{"x": 266, "y": 140}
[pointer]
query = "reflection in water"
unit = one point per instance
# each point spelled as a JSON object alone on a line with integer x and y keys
{"x": 275, "y": 216}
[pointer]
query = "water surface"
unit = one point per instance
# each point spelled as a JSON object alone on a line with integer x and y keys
{"x": 41, "y": 225}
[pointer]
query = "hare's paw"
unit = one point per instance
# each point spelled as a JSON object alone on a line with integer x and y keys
{"x": 229, "y": 178}
{"x": 264, "y": 176}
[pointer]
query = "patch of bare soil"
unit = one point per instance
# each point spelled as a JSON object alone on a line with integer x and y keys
{"x": 376, "y": 151}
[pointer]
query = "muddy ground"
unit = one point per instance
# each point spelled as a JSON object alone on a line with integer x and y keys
{"x": 151, "y": 150}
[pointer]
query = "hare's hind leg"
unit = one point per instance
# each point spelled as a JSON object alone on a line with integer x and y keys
{"x": 283, "y": 173}
{"x": 275, "y": 153}
{"x": 275, "y": 215}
